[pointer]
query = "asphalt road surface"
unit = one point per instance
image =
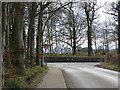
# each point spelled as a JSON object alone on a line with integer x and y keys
{"x": 87, "y": 75}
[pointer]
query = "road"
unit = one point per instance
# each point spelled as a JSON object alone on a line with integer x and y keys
{"x": 87, "y": 75}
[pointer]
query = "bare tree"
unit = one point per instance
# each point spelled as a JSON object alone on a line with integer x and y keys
{"x": 119, "y": 30}
{"x": 96, "y": 35}
{"x": 114, "y": 10}
{"x": 1, "y": 49}
{"x": 31, "y": 31}
{"x": 17, "y": 33}
{"x": 73, "y": 26}
{"x": 90, "y": 9}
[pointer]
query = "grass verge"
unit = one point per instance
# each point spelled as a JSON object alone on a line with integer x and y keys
{"x": 32, "y": 76}
{"x": 109, "y": 66}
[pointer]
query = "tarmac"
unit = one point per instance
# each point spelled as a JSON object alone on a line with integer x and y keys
{"x": 53, "y": 79}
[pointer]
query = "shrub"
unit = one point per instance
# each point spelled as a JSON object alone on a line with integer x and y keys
{"x": 111, "y": 58}
{"x": 114, "y": 59}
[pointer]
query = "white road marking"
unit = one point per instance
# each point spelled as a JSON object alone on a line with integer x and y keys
{"x": 61, "y": 65}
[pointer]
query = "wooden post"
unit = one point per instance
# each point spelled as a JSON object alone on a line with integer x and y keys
{"x": 46, "y": 47}
{"x": 45, "y": 59}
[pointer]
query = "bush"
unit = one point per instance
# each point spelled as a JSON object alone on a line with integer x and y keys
{"x": 111, "y": 58}
{"x": 13, "y": 83}
{"x": 114, "y": 59}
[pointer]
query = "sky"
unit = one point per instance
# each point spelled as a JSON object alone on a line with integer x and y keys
{"x": 103, "y": 16}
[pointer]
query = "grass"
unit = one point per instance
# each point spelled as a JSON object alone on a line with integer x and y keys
{"x": 110, "y": 62}
{"x": 109, "y": 66}
{"x": 32, "y": 76}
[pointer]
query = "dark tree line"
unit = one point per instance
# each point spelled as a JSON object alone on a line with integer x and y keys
{"x": 13, "y": 33}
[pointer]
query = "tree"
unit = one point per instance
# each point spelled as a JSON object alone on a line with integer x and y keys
{"x": 1, "y": 49}
{"x": 13, "y": 35}
{"x": 42, "y": 25}
{"x": 90, "y": 9}
{"x": 114, "y": 10}
{"x": 50, "y": 30}
{"x": 17, "y": 37}
{"x": 118, "y": 27}
{"x": 118, "y": 31}
{"x": 7, "y": 30}
{"x": 106, "y": 36}
{"x": 39, "y": 38}
{"x": 73, "y": 25}
{"x": 96, "y": 35}
{"x": 31, "y": 31}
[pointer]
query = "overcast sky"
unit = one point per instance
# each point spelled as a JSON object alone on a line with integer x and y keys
{"x": 103, "y": 16}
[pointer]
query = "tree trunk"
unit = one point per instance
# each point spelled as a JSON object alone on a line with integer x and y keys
{"x": 89, "y": 10}
{"x": 95, "y": 45}
{"x": 6, "y": 25}
{"x": 31, "y": 32}
{"x": 17, "y": 43}
{"x": 118, "y": 32}
{"x": 56, "y": 40}
{"x": 39, "y": 48}
{"x": 116, "y": 45}
{"x": 25, "y": 42}
{"x": 74, "y": 41}
{"x": 89, "y": 33}
{"x": 1, "y": 48}
{"x": 119, "y": 27}
{"x": 3, "y": 22}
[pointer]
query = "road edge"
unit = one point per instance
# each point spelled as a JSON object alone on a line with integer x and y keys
{"x": 63, "y": 78}
{"x": 63, "y": 72}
